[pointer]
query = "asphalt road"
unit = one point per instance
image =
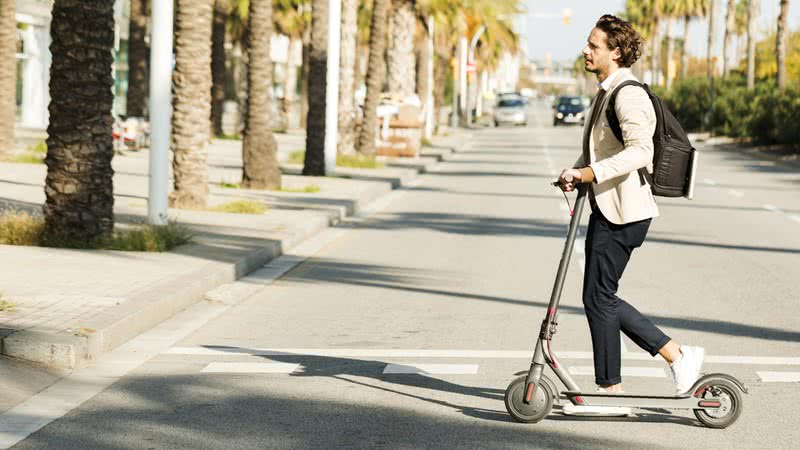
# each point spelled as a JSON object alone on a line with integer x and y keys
{"x": 452, "y": 278}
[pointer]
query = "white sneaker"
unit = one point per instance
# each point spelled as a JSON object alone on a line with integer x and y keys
{"x": 686, "y": 370}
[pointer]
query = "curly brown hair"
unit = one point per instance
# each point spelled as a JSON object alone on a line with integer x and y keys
{"x": 621, "y": 34}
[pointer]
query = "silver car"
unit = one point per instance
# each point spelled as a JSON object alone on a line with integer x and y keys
{"x": 511, "y": 110}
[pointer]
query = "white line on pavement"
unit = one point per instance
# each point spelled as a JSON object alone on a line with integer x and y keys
{"x": 432, "y": 353}
{"x": 709, "y": 182}
{"x": 779, "y": 377}
{"x": 652, "y": 372}
{"x": 424, "y": 369}
{"x": 772, "y": 208}
{"x": 736, "y": 193}
{"x": 795, "y": 217}
{"x": 240, "y": 367}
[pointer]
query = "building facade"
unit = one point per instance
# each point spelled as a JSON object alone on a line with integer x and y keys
{"x": 34, "y": 59}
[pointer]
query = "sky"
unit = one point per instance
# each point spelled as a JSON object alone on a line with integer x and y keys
{"x": 546, "y": 32}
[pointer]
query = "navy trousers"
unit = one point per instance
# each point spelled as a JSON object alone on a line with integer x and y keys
{"x": 608, "y": 249}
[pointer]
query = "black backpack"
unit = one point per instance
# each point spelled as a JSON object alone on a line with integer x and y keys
{"x": 674, "y": 158}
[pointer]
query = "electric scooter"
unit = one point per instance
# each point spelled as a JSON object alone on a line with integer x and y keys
{"x": 715, "y": 399}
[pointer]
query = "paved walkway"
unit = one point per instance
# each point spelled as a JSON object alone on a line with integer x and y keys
{"x": 71, "y": 305}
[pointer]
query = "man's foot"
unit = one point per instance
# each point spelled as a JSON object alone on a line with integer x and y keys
{"x": 686, "y": 370}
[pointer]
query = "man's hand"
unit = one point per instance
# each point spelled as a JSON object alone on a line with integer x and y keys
{"x": 568, "y": 179}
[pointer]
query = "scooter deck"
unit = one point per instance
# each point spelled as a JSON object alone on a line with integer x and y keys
{"x": 684, "y": 401}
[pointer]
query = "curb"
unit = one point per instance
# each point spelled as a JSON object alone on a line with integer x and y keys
{"x": 148, "y": 308}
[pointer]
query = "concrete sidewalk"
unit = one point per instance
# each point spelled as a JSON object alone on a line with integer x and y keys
{"x": 73, "y": 305}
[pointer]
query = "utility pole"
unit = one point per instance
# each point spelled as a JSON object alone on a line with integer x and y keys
{"x": 332, "y": 90}
{"x": 161, "y": 66}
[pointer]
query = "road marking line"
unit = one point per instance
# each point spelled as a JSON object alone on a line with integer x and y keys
{"x": 580, "y": 245}
{"x": 431, "y": 369}
{"x": 240, "y": 367}
{"x": 651, "y": 372}
{"x": 622, "y": 346}
{"x": 772, "y": 208}
{"x": 736, "y": 193}
{"x": 779, "y": 377}
{"x": 709, "y": 182}
{"x": 442, "y": 353}
{"x": 795, "y": 217}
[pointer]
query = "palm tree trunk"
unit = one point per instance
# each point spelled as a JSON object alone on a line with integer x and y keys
{"x": 656, "y": 57}
{"x": 218, "y": 65}
{"x": 730, "y": 24}
{"x": 712, "y": 30}
{"x": 347, "y": 72}
{"x": 685, "y": 50}
{"x": 780, "y": 47}
{"x": 670, "y": 51}
{"x": 8, "y": 75}
{"x": 400, "y": 55}
{"x": 376, "y": 72}
{"x": 290, "y": 91}
{"x": 79, "y": 209}
{"x": 191, "y": 108}
{"x": 136, "y": 98}
{"x": 752, "y": 17}
{"x": 317, "y": 87}
{"x": 259, "y": 150}
{"x": 304, "y": 81}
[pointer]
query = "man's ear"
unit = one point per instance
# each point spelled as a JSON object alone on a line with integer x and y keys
{"x": 616, "y": 55}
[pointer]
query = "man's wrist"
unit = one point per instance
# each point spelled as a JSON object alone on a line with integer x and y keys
{"x": 587, "y": 174}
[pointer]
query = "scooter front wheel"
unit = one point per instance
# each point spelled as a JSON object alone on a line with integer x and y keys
{"x": 539, "y": 406}
{"x": 730, "y": 402}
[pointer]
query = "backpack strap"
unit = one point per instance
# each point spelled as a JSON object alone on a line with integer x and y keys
{"x": 613, "y": 123}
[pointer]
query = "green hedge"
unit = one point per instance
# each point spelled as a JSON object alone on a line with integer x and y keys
{"x": 766, "y": 114}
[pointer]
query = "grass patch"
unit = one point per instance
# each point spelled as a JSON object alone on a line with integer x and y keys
{"x": 353, "y": 161}
{"x": 229, "y": 185}
{"x": 6, "y": 306}
{"x": 229, "y": 137}
{"x": 310, "y": 189}
{"x": 33, "y": 154}
{"x": 241, "y": 207}
{"x": 40, "y": 148}
{"x": 297, "y": 156}
{"x": 150, "y": 238}
{"x": 21, "y": 228}
{"x": 426, "y": 141}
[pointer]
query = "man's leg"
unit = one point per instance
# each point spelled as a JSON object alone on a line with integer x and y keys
{"x": 608, "y": 250}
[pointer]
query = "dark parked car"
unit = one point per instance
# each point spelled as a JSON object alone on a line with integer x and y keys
{"x": 568, "y": 109}
{"x": 513, "y": 110}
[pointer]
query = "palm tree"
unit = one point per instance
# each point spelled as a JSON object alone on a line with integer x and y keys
{"x": 79, "y": 189}
{"x": 689, "y": 9}
{"x": 740, "y": 28}
{"x": 752, "y": 17}
{"x": 317, "y": 87}
{"x": 218, "y": 32}
{"x": 8, "y": 74}
{"x": 780, "y": 46}
{"x": 292, "y": 18}
{"x": 191, "y": 108}
{"x": 375, "y": 76}
{"x": 401, "y": 71}
{"x": 136, "y": 97}
{"x": 730, "y": 29}
{"x": 347, "y": 72}
{"x": 712, "y": 36}
{"x": 260, "y": 163}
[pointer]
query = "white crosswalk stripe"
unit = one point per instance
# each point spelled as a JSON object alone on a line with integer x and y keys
{"x": 239, "y": 367}
{"x": 438, "y": 369}
{"x": 779, "y": 377}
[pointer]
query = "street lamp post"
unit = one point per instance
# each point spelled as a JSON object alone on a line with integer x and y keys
{"x": 332, "y": 90}
{"x": 161, "y": 64}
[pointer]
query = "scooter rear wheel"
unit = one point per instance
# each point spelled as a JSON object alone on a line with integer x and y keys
{"x": 729, "y": 396}
{"x": 537, "y": 409}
